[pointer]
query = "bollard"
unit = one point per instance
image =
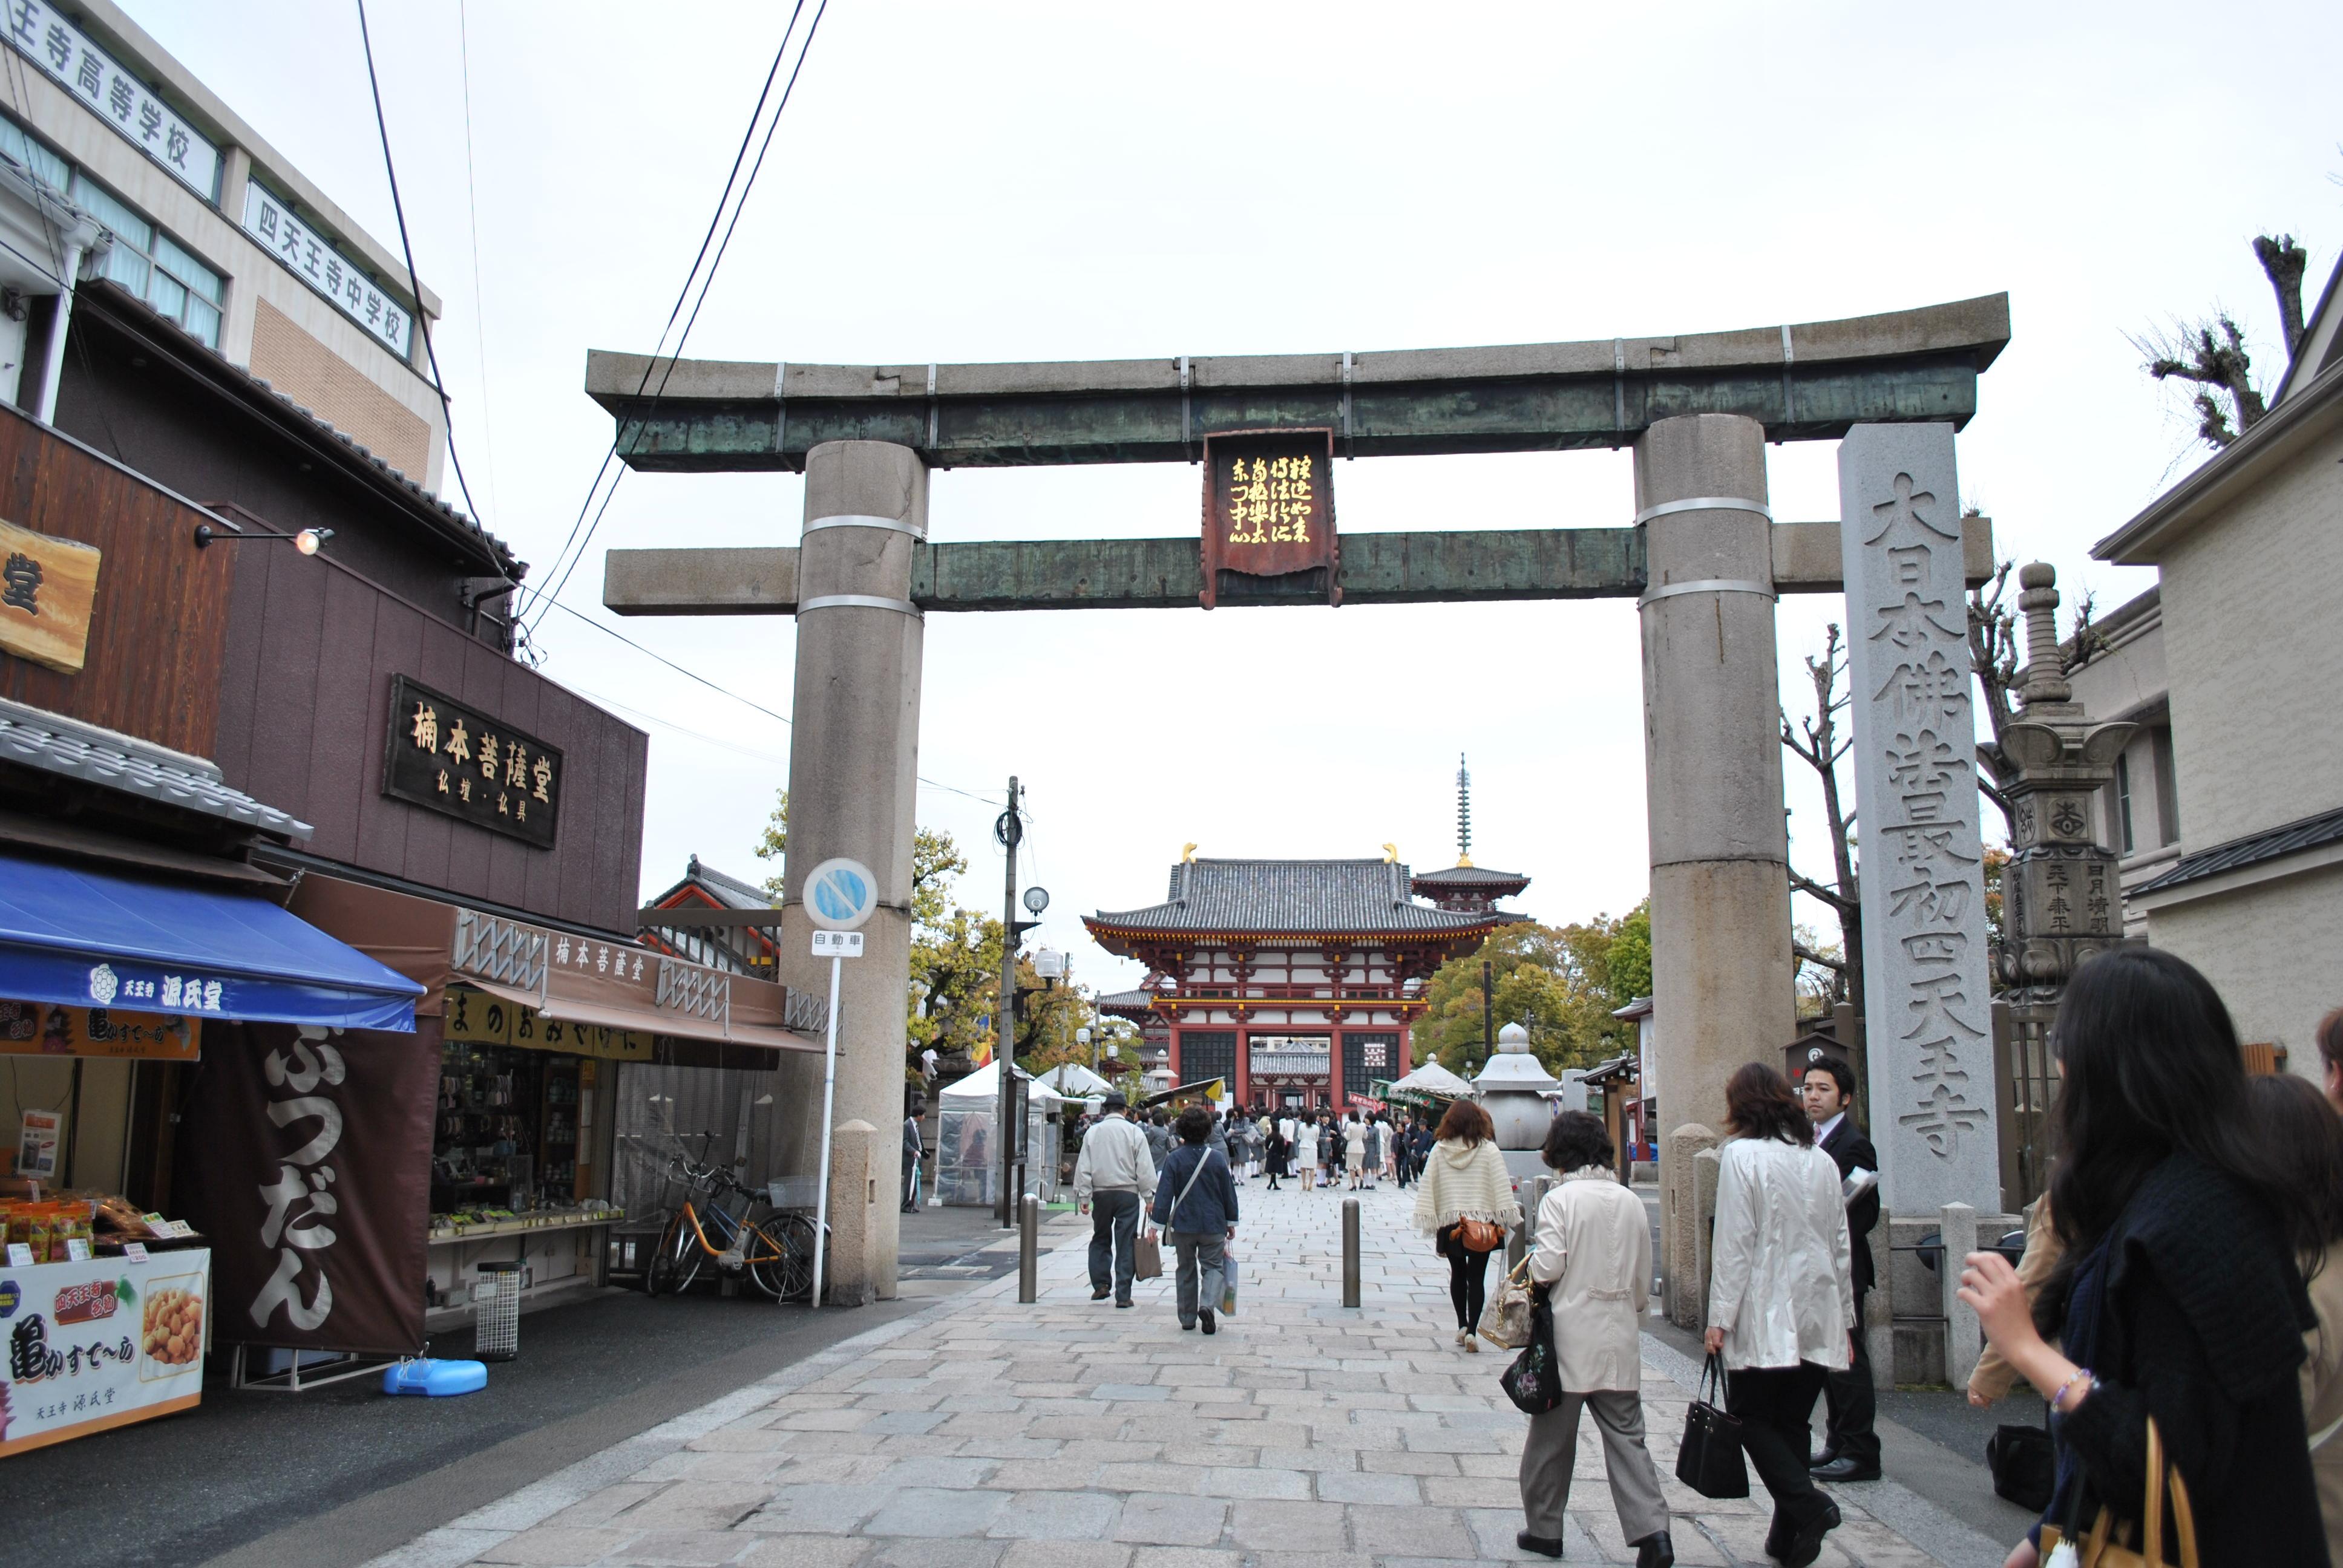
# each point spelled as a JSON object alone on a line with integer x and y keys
{"x": 1517, "y": 1245}
{"x": 1029, "y": 1225}
{"x": 1349, "y": 1251}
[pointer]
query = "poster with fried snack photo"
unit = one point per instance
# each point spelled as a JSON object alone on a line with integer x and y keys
{"x": 171, "y": 1328}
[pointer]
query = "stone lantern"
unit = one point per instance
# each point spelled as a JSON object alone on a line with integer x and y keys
{"x": 1513, "y": 1088}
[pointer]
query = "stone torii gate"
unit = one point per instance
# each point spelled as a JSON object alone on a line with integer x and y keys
{"x": 1702, "y": 557}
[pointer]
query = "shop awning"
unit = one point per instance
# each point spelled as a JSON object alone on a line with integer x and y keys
{"x": 82, "y": 938}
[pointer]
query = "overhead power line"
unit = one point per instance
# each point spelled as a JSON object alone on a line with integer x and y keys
{"x": 565, "y": 562}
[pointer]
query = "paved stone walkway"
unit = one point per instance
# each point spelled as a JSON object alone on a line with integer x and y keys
{"x": 1068, "y": 1434}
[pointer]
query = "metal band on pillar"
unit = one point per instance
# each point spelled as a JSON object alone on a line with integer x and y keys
{"x": 863, "y": 520}
{"x": 1704, "y": 503}
{"x": 1789, "y": 356}
{"x": 1708, "y": 585}
{"x": 861, "y": 602}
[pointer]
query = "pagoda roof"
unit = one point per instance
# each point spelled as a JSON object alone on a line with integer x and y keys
{"x": 1472, "y": 877}
{"x": 1366, "y": 898}
{"x": 727, "y": 893}
{"x": 1127, "y": 1003}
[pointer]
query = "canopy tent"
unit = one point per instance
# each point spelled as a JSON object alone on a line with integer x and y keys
{"x": 1075, "y": 1080}
{"x": 968, "y": 1160}
{"x": 984, "y": 1085}
{"x": 1434, "y": 1081}
{"x": 73, "y": 937}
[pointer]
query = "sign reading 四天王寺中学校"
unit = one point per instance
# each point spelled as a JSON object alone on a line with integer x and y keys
{"x": 317, "y": 262}
{"x": 1268, "y": 508}
{"x": 48, "y": 588}
{"x": 459, "y": 761}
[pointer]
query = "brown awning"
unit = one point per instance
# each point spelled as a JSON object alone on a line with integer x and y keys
{"x": 587, "y": 980}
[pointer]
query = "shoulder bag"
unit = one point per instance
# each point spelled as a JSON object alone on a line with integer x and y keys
{"x": 1505, "y": 1320}
{"x": 1533, "y": 1381}
{"x": 1709, "y": 1460}
{"x": 2064, "y": 1549}
{"x": 1479, "y": 1235}
{"x": 2024, "y": 1465}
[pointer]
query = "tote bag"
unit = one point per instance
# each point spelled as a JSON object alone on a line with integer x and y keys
{"x": 1709, "y": 1460}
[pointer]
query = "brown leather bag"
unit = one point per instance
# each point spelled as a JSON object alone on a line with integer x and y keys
{"x": 1479, "y": 1235}
{"x": 2096, "y": 1550}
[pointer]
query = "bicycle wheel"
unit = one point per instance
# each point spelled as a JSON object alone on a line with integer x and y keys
{"x": 677, "y": 1261}
{"x": 794, "y": 1270}
{"x": 765, "y": 1244}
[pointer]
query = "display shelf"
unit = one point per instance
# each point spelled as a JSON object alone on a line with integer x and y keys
{"x": 521, "y": 1227}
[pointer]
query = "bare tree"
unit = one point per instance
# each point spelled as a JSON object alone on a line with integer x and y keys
{"x": 2284, "y": 263}
{"x": 1819, "y": 742}
{"x": 2211, "y": 354}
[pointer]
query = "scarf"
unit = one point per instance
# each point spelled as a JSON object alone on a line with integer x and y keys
{"x": 1463, "y": 1182}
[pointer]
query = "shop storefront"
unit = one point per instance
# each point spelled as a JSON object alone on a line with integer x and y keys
{"x": 490, "y": 1130}
{"x": 105, "y": 1302}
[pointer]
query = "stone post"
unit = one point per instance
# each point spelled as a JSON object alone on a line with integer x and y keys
{"x": 852, "y": 761}
{"x": 1964, "y": 1334}
{"x": 1708, "y": 1170}
{"x": 1722, "y": 974}
{"x": 1928, "y": 1034}
{"x": 1684, "y": 1288}
{"x": 854, "y": 1210}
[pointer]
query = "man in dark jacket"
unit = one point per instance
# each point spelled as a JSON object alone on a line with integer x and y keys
{"x": 1196, "y": 1204}
{"x": 1851, "y": 1452}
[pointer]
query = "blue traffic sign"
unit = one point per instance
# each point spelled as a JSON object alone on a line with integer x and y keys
{"x": 842, "y": 894}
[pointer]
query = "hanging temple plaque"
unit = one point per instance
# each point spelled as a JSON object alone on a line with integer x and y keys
{"x": 1269, "y": 510}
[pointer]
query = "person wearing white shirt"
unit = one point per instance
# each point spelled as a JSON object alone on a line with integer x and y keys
{"x": 1115, "y": 1175}
{"x": 1781, "y": 1296}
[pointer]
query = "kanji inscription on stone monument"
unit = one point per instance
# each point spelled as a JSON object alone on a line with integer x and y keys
{"x": 1930, "y": 1029}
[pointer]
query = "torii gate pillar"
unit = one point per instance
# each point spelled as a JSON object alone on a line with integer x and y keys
{"x": 1722, "y": 980}
{"x": 853, "y": 764}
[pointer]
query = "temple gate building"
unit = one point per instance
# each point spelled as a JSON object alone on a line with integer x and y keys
{"x": 1297, "y": 981}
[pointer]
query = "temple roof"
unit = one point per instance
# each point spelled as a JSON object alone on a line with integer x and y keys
{"x": 1301, "y": 897}
{"x": 730, "y": 892}
{"x": 1472, "y": 877}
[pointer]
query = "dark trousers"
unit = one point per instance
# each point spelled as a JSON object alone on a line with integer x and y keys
{"x": 1468, "y": 1279}
{"x": 1848, "y": 1395}
{"x": 1115, "y": 1241}
{"x": 1777, "y": 1407}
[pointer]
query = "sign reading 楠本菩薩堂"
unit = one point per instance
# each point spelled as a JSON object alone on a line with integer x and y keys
{"x": 1268, "y": 508}
{"x": 454, "y": 759}
{"x": 48, "y": 588}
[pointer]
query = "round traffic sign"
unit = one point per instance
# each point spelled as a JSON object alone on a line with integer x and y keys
{"x": 842, "y": 894}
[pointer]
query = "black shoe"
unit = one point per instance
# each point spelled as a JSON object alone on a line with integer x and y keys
{"x": 1537, "y": 1544}
{"x": 1123, "y": 1303}
{"x": 1204, "y": 1322}
{"x": 1187, "y": 1327}
{"x": 1654, "y": 1550}
{"x": 1846, "y": 1467}
{"x": 1100, "y": 1295}
{"x": 1827, "y": 1456}
{"x": 1807, "y": 1545}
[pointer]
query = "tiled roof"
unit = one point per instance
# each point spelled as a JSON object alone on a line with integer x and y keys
{"x": 2304, "y": 833}
{"x": 235, "y": 375}
{"x": 35, "y": 738}
{"x": 1126, "y": 1001}
{"x": 1472, "y": 877}
{"x": 731, "y": 892}
{"x": 1297, "y": 896}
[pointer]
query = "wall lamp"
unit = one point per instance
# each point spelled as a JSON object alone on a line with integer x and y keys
{"x": 306, "y": 541}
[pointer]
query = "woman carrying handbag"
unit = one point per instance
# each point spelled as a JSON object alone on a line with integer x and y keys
{"x": 1781, "y": 1296}
{"x": 2179, "y": 1304}
{"x": 1593, "y": 1259}
{"x": 1465, "y": 1204}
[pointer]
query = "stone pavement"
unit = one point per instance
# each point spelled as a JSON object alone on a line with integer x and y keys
{"x": 985, "y": 1435}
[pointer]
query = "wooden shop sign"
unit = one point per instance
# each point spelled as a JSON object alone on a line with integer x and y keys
{"x": 453, "y": 758}
{"x": 1269, "y": 508}
{"x": 47, "y": 589}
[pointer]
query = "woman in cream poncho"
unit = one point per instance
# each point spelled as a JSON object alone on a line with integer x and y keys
{"x": 1464, "y": 1178}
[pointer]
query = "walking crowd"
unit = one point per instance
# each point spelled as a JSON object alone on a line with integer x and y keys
{"x": 2178, "y": 1305}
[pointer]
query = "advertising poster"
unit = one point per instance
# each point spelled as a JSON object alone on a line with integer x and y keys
{"x": 37, "y": 1149}
{"x": 102, "y": 1343}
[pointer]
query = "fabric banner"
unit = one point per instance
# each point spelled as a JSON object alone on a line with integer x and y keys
{"x": 96, "y": 1344}
{"x": 307, "y": 1161}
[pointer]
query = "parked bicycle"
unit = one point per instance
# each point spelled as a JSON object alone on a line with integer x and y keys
{"x": 773, "y": 1247}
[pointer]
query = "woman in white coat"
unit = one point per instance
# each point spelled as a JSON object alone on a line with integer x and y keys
{"x": 1593, "y": 1259}
{"x": 1781, "y": 1296}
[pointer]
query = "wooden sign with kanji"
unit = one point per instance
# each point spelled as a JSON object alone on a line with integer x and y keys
{"x": 47, "y": 589}
{"x": 1268, "y": 508}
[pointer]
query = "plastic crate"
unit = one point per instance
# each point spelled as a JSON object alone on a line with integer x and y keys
{"x": 496, "y": 1312}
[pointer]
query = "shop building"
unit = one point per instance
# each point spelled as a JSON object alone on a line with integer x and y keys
{"x": 1296, "y": 981}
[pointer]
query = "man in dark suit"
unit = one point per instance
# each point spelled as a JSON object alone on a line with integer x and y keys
{"x": 1852, "y": 1449}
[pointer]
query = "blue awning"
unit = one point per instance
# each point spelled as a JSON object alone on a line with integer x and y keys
{"x": 82, "y": 938}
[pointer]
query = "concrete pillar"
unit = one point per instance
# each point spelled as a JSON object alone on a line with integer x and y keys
{"x": 849, "y": 1279}
{"x": 1722, "y": 975}
{"x": 1964, "y": 1334}
{"x": 853, "y": 758}
{"x": 1684, "y": 1285}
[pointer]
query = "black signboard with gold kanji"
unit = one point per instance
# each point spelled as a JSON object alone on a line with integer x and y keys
{"x": 1269, "y": 508}
{"x": 459, "y": 761}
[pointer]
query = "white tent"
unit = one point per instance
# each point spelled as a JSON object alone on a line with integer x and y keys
{"x": 1074, "y": 1079}
{"x": 968, "y": 1170}
{"x": 1434, "y": 1080}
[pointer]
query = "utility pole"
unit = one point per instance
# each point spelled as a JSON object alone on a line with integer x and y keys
{"x": 1488, "y": 1014}
{"x": 1008, "y": 832}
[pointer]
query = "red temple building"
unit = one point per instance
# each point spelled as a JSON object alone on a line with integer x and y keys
{"x": 1296, "y": 981}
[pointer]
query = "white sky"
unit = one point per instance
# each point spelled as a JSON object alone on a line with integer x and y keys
{"x": 1001, "y": 181}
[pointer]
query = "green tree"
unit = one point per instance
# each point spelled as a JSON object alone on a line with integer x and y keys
{"x": 1561, "y": 984}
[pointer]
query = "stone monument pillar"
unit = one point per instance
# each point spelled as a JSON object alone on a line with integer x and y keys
{"x": 853, "y": 758}
{"x": 2061, "y": 893}
{"x": 1722, "y": 974}
{"x": 1929, "y": 1032}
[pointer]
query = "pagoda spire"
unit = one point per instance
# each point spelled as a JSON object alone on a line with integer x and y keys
{"x": 1464, "y": 812}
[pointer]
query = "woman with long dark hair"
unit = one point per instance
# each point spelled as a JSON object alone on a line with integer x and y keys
{"x": 2178, "y": 1298}
{"x": 2300, "y": 1128}
{"x": 1464, "y": 1188}
{"x": 1781, "y": 1296}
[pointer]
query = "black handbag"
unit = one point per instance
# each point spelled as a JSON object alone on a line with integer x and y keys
{"x": 1709, "y": 1460}
{"x": 2024, "y": 1465}
{"x": 1533, "y": 1381}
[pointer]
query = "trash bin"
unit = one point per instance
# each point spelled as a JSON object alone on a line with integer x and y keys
{"x": 496, "y": 1312}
